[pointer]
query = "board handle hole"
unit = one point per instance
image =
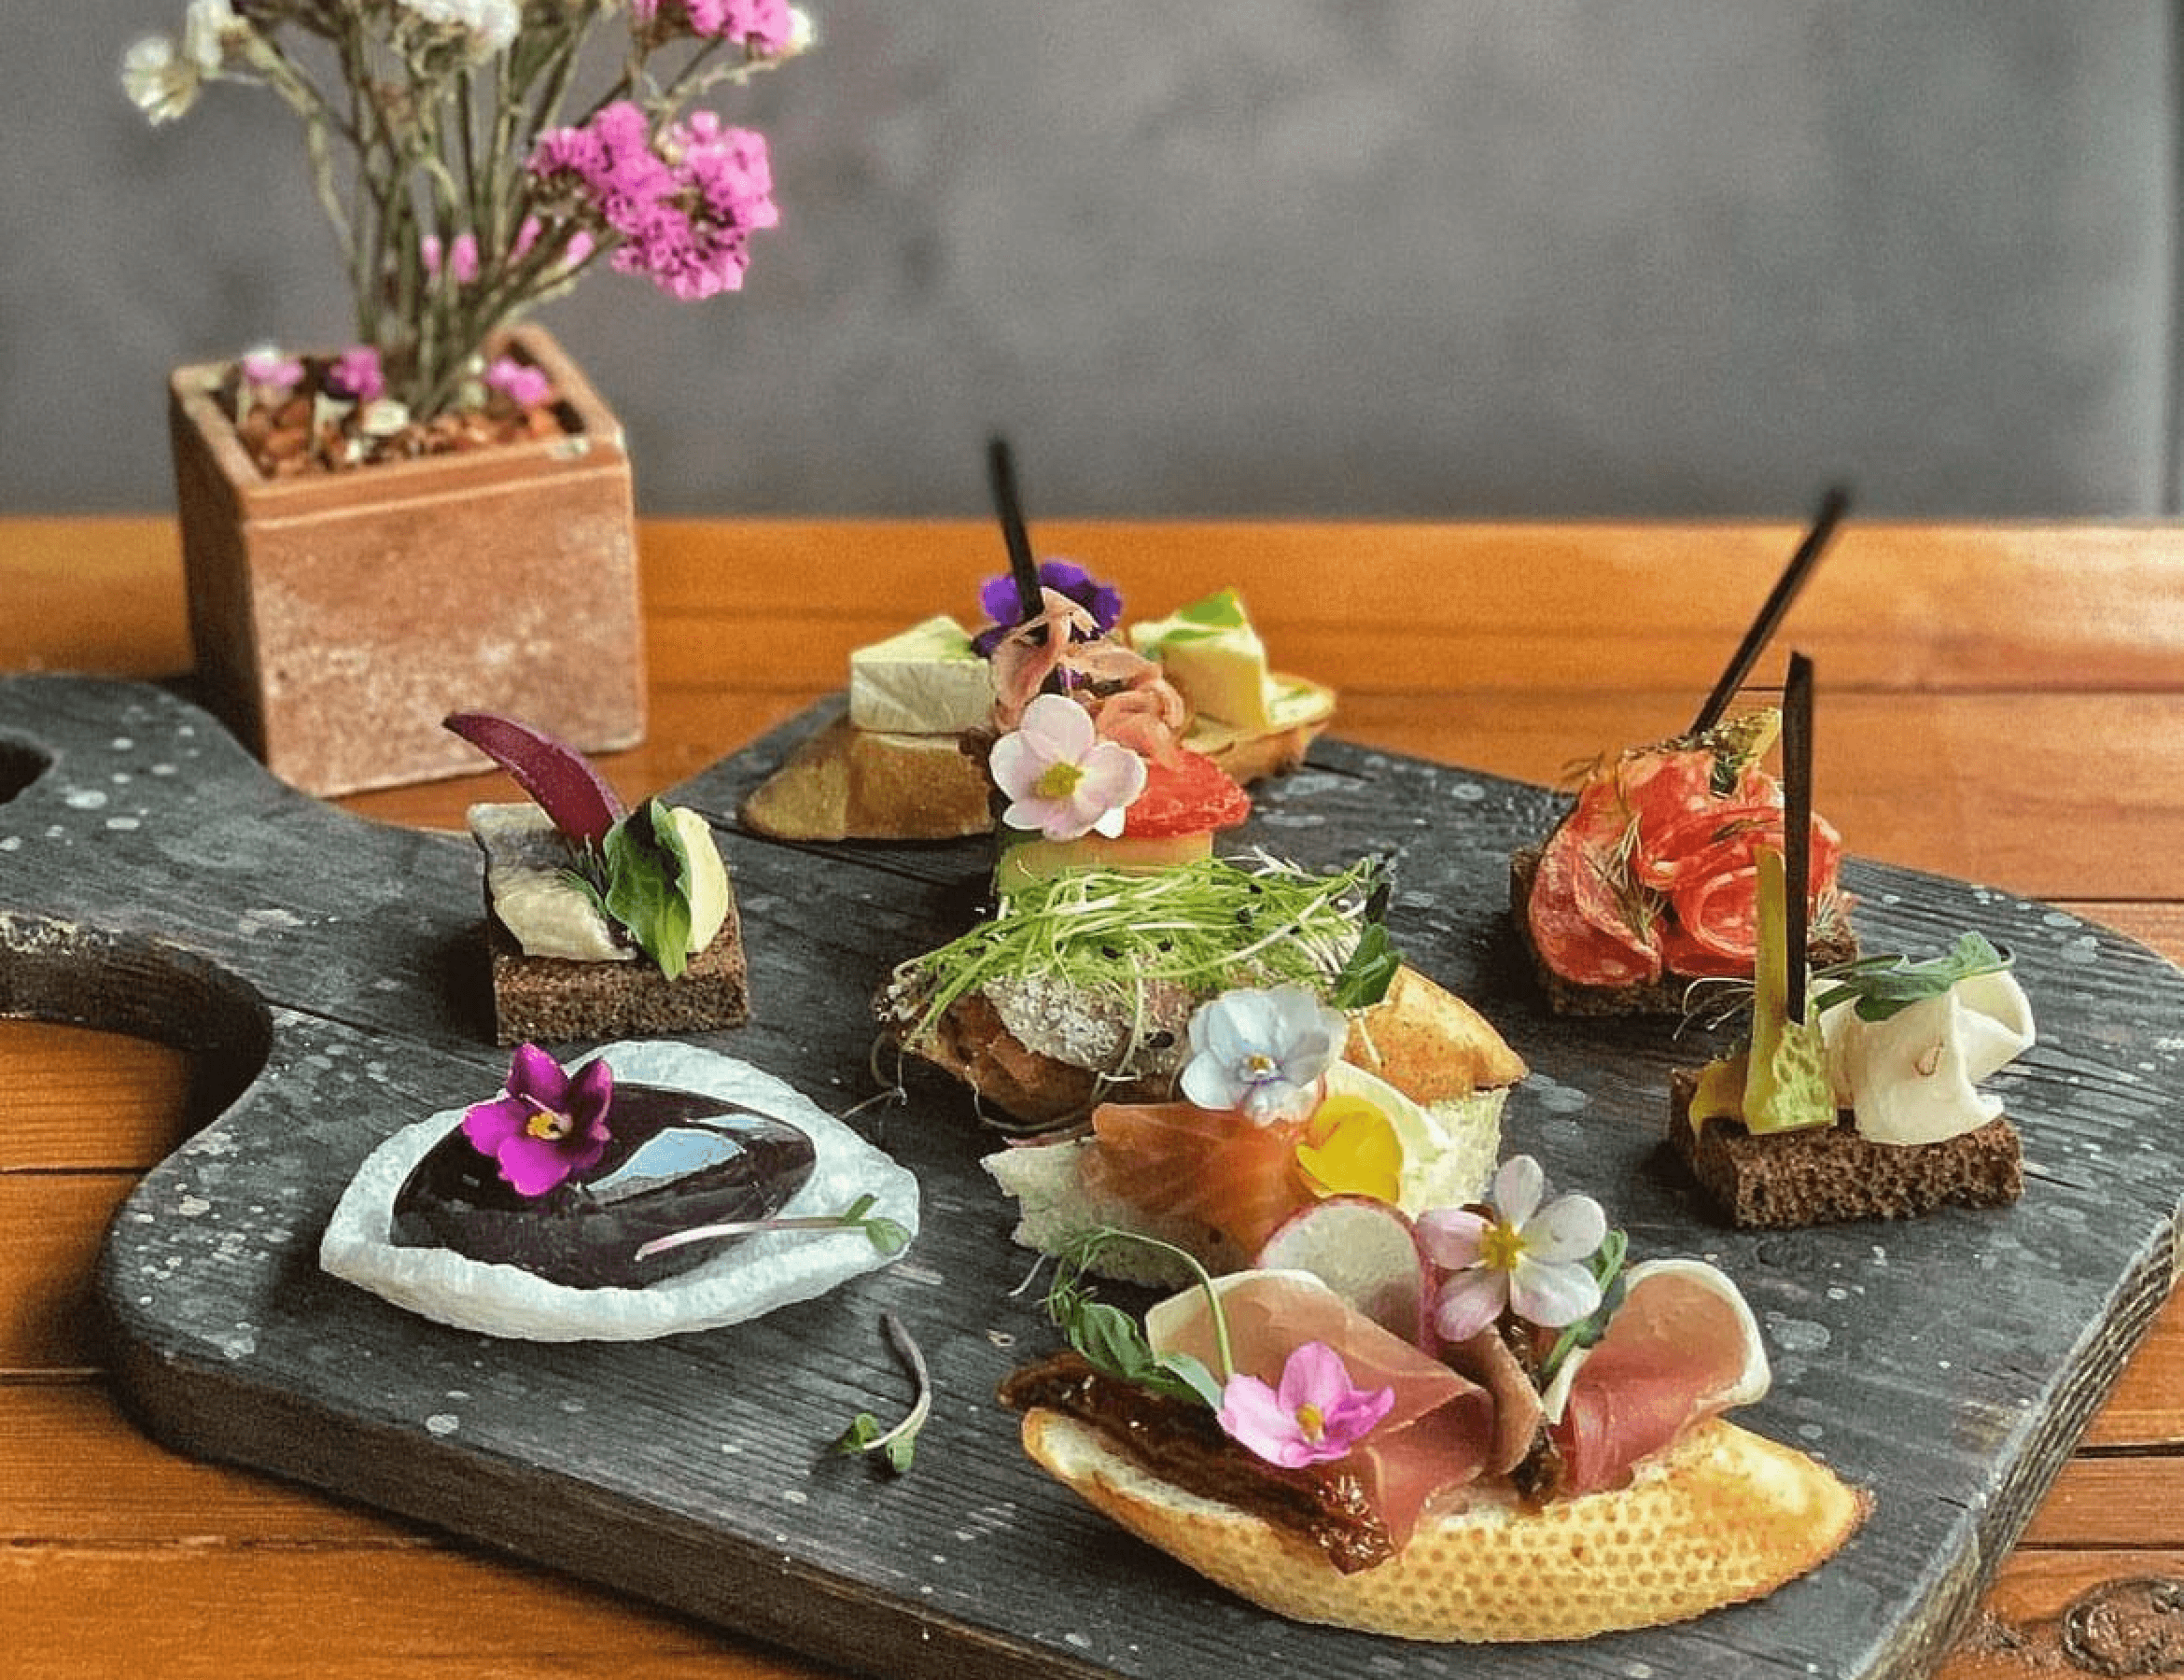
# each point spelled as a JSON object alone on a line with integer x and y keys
{"x": 20, "y": 766}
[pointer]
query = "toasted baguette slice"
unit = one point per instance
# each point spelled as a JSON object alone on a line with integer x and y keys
{"x": 1429, "y": 1044}
{"x": 846, "y": 783}
{"x": 1722, "y": 1516}
{"x": 1303, "y": 712}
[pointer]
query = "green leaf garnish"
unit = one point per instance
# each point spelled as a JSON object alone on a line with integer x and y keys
{"x": 1366, "y": 978}
{"x": 1881, "y": 987}
{"x": 648, "y": 882}
{"x": 1607, "y": 1271}
{"x": 1113, "y": 1342}
{"x": 898, "y": 1446}
{"x": 1207, "y": 925}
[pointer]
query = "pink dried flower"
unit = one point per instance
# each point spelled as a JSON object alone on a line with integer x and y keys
{"x": 356, "y": 375}
{"x": 269, "y": 374}
{"x": 462, "y": 257}
{"x": 518, "y": 381}
{"x": 683, "y": 218}
{"x": 1315, "y": 1414}
{"x": 767, "y": 25}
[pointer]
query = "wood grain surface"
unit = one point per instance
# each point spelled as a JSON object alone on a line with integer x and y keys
{"x": 2017, "y": 679}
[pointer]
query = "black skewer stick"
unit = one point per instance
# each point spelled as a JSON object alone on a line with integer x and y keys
{"x": 1833, "y": 506}
{"x": 1797, "y": 825}
{"x": 1001, "y": 467}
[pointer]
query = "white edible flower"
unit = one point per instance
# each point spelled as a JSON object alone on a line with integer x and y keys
{"x": 1263, "y": 1052}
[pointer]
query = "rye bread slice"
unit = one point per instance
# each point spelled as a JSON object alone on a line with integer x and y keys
{"x": 542, "y": 999}
{"x": 1831, "y": 941}
{"x": 1824, "y": 1175}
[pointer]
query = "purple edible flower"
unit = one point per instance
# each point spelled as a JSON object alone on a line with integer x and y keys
{"x": 549, "y": 1124}
{"x": 356, "y": 375}
{"x": 1316, "y": 1414}
{"x": 1003, "y": 603}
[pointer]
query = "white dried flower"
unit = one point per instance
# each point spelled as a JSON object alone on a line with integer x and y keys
{"x": 491, "y": 24}
{"x": 161, "y": 81}
{"x": 210, "y": 31}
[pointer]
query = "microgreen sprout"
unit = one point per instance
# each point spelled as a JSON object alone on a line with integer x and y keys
{"x": 885, "y": 1235}
{"x": 897, "y": 1445}
{"x": 1879, "y": 986}
{"x": 1110, "y": 928}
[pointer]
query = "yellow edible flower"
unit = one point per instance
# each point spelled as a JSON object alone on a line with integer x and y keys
{"x": 1350, "y": 1148}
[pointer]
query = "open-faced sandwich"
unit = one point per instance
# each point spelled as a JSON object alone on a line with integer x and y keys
{"x": 1860, "y": 1099}
{"x": 1857, "y": 1094}
{"x": 1283, "y": 1103}
{"x": 907, "y": 759}
{"x": 1475, "y": 1426}
{"x": 1648, "y": 881}
{"x": 656, "y": 1188}
{"x": 1081, "y": 987}
{"x": 600, "y": 921}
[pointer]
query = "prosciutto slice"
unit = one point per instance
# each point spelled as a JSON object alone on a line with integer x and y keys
{"x": 1440, "y": 1431}
{"x": 1683, "y": 1347}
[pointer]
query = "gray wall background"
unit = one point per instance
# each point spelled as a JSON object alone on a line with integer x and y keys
{"x": 1376, "y": 258}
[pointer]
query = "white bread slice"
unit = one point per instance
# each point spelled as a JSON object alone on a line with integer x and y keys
{"x": 1721, "y": 1516}
{"x": 846, "y": 783}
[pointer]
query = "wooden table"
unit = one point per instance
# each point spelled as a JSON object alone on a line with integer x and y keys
{"x": 2002, "y": 704}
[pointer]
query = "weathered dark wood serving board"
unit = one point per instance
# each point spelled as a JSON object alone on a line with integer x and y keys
{"x": 328, "y": 972}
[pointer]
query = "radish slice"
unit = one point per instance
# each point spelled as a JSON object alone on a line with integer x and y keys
{"x": 1364, "y": 1250}
{"x": 560, "y": 779}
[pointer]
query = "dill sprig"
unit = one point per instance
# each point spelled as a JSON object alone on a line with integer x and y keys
{"x": 1203, "y": 925}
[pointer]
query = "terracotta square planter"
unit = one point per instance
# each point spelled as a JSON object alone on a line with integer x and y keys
{"x": 338, "y": 617}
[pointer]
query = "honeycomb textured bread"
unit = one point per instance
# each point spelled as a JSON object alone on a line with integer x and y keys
{"x": 1723, "y": 1516}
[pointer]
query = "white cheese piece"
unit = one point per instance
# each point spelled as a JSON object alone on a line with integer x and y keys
{"x": 1914, "y": 1078}
{"x": 926, "y": 680}
{"x": 1215, "y": 659}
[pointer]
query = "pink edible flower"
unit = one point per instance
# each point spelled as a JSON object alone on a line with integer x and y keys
{"x": 356, "y": 375}
{"x": 518, "y": 381}
{"x": 549, "y": 1124}
{"x": 1316, "y": 1413}
{"x": 1516, "y": 1255}
{"x": 1060, "y": 778}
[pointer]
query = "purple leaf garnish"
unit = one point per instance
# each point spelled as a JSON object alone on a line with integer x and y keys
{"x": 561, "y": 782}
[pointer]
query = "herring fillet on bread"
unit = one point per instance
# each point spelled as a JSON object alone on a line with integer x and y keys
{"x": 1722, "y": 1516}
